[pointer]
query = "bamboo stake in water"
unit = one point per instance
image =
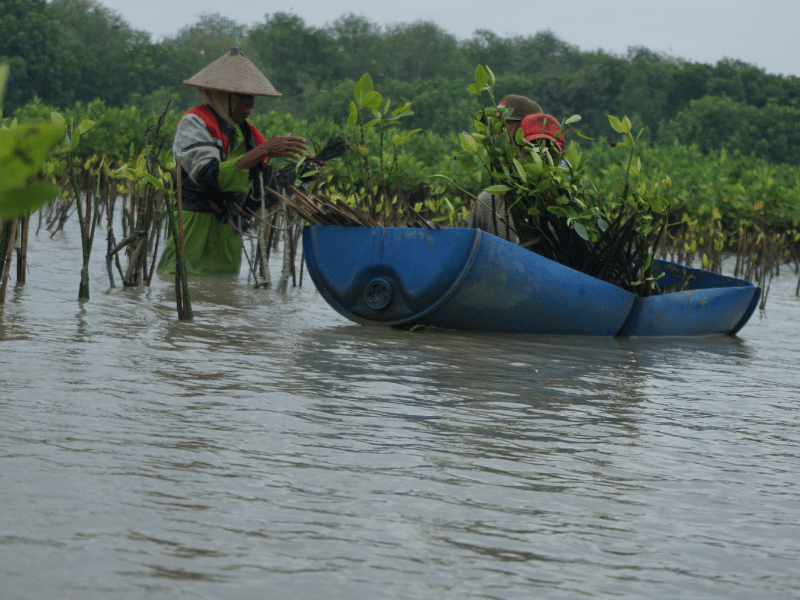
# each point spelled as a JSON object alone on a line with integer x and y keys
{"x": 181, "y": 278}
{"x": 22, "y": 254}
{"x": 302, "y": 262}
{"x": 7, "y": 260}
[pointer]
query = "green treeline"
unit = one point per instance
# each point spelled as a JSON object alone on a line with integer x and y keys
{"x": 69, "y": 51}
{"x": 728, "y": 135}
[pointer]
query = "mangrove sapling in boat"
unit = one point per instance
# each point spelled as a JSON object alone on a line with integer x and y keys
{"x": 555, "y": 210}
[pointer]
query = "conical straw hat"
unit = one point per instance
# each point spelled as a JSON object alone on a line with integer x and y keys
{"x": 234, "y": 72}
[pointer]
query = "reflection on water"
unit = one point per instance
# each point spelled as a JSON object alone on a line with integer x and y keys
{"x": 272, "y": 445}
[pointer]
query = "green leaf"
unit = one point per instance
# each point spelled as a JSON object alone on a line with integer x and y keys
{"x": 85, "y": 126}
{"x": 481, "y": 78}
{"x": 156, "y": 183}
{"x": 626, "y": 122}
{"x": 497, "y": 189}
{"x": 17, "y": 202}
{"x": 583, "y": 137}
{"x": 401, "y": 138}
{"x": 352, "y": 119}
{"x": 3, "y": 80}
{"x": 474, "y": 90}
{"x": 24, "y": 149}
{"x": 465, "y": 159}
{"x": 572, "y": 119}
{"x": 58, "y": 120}
{"x": 403, "y": 111}
{"x": 372, "y": 100}
{"x": 492, "y": 79}
{"x": 521, "y": 170}
{"x": 573, "y": 156}
{"x": 468, "y": 143}
{"x": 617, "y": 125}
{"x": 534, "y": 169}
{"x": 580, "y": 230}
{"x": 363, "y": 87}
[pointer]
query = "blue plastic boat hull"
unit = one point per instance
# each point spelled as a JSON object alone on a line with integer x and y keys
{"x": 469, "y": 279}
{"x": 710, "y": 303}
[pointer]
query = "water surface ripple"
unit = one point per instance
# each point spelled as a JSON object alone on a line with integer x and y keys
{"x": 272, "y": 449}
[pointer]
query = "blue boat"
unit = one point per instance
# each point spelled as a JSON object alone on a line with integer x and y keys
{"x": 470, "y": 279}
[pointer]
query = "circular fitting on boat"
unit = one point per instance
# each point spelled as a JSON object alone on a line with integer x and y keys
{"x": 378, "y": 293}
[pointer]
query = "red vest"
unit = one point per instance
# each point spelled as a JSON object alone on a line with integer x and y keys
{"x": 214, "y": 129}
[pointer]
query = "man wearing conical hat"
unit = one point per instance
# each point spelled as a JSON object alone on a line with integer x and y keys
{"x": 222, "y": 158}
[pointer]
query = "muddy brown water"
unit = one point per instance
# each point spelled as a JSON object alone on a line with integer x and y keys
{"x": 273, "y": 449}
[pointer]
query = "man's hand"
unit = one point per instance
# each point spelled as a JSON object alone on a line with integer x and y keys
{"x": 280, "y": 146}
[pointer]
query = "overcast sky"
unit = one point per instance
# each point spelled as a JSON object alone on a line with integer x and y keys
{"x": 763, "y": 33}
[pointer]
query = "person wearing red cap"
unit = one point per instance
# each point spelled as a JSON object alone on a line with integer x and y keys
{"x": 489, "y": 212}
{"x": 539, "y": 126}
{"x": 222, "y": 158}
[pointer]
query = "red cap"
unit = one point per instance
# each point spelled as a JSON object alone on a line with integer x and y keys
{"x": 540, "y": 125}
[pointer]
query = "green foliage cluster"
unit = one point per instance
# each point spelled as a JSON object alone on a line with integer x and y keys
{"x": 117, "y": 132}
{"x": 720, "y": 122}
{"x": 68, "y": 51}
{"x": 24, "y": 149}
{"x": 743, "y": 188}
{"x": 730, "y": 180}
{"x": 390, "y": 172}
{"x": 65, "y": 51}
{"x": 716, "y": 191}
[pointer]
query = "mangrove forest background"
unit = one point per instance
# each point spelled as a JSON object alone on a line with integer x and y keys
{"x": 77, "y": 51}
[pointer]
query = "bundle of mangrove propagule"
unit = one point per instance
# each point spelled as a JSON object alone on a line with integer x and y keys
{"x": 361, "y": 206}
{"x": 319, "y": 209}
